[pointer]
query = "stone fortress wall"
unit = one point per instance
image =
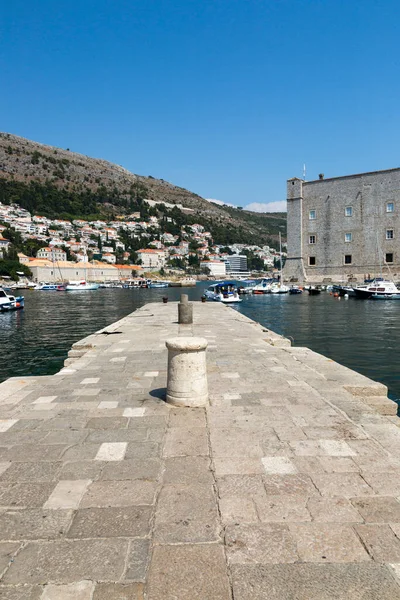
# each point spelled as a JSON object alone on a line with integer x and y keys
{"x": 373, "y": 199}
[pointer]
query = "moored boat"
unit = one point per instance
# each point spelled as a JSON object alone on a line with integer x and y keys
{"x": 8, "y": 302}
{"x": 314, "y": 290}
{"x": 81, "y": 286}
{"x": 50, "y": 287}
{"x": 224, "y": 291}
{"x": 279, "y": 288}
{"x": 295, "y": 289}
{"x": 158, "y": 284}
{"x": 264, "y": 287}
{"x": 379, "y": 289}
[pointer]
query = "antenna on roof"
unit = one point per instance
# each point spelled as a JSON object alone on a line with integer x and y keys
{"x": 304, "y": 171}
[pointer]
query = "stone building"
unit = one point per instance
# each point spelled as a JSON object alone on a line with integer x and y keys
{"x": 343, "y": 228}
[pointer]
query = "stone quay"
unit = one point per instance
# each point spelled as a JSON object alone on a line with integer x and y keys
{"x": 285, "y": 486}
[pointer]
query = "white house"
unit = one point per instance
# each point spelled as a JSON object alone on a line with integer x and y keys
{"x": 52, "y": 254}
{"x": 152, "y": 258}
{"x": 216, "y": 267}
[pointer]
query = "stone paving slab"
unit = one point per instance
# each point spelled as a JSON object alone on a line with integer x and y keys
{"x": 285, "y": 488}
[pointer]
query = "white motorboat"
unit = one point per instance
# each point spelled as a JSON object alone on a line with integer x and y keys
{"x": 378, "y": 289}
{"x": 81, "y": 286}
{"x": 279, "y": 288}
{"x": 156, "y": 283}
{"x": 264, "y": 287}
{"x": 50, "y": 287}
{"x": 224, "y": 291}
{"x": 8, "y": 302}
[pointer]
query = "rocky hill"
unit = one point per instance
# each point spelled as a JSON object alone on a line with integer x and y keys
{"x": 25, "y": 166}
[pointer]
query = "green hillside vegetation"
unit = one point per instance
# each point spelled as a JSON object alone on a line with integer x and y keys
{"x": 51, "y": 201}
{"x": 58, "y": 183}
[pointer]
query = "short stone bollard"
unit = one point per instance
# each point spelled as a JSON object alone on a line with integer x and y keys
{"x": 185, "y": 311}
{"x": 187, "y": 371}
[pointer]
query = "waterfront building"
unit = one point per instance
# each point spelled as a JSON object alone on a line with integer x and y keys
{"x": 45, "y": 270}
{"x": 236, "y": 263}
{"x": 151, "y": 258}
{"x": 52, "y": 254}
{"x": 343, "y": 228}
{"x": 217, "y": 268}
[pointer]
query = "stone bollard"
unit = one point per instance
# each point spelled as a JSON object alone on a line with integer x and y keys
{"x": 187, "y": 371}
{"x": 185, "y": 311}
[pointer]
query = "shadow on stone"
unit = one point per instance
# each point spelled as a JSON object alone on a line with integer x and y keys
{"x": 159, "y": 393}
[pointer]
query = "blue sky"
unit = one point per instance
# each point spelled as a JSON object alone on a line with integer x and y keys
{"x": 228, "y": 98}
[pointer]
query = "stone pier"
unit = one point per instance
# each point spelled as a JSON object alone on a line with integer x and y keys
{"x": 286, "y": 487}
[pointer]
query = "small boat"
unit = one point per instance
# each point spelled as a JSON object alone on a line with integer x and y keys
{"x": 158, "y": 284}
{"x": 342, "y": 290}
{"x": 264, "y": 287}
{"x": 295, "y": 289}
{"x": 314, "y": 290}
{"x": 247, "y": 286}
{"x": 279, "y": 288}
{"x": 8, "y": 302}
{"x": 379, "y": 289}
{"x": 50, "y": 287}
{"x": 81, "y": 286}
{"x": 224, "y": 291}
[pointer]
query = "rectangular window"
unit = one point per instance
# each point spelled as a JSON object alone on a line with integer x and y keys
{"x": 348, "y": 237}
{"x": 347, "y": 259}
{"x": 389, "y": 234}
{"x": 389, "y": 207}
{"x": 312, "y": 215}
{"x": 312, "y": 239}
{"x": 389, "y": 257}
{"x": 348, "y": 211}
{"x": 311, "y": 261}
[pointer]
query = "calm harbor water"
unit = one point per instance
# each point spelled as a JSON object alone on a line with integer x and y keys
{"x": 363, "y": 335}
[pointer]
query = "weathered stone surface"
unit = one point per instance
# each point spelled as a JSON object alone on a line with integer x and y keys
{"x": 186, "y": 513}
{"x": 188, "y": 469}
{"x": 186, "y": 442}
{"x": 26, "y": 471}
{"x": 333, "y": 510}
{"x": 380, "y": 542}
{"x": 138, "y": 559}
{"x": 189, "y": 573}
{"x": 118, "y": 591}
{"x": 130, "y": 521}
{"x": 342, "y": 484}
{"x": 20, "y": 592}
{"x": 148, "y": 469}
{"x": 68, "y": 561}
{"x": 24, "y": 494}
{"x": 317, "y": 542}
{"x": 282, "y": 508}
{"x": 290, "y": 464}
{"x": 378, "y": 510}
{"x": 85, "y": 469}
{"x": 119, "y": 493}
{"x": 34, "y": 524}
{"x": 7, "y": 551}
{"x": 352, "y": 581}
{"x": 80, "y": 590}
{"x": 262, "y": 543}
